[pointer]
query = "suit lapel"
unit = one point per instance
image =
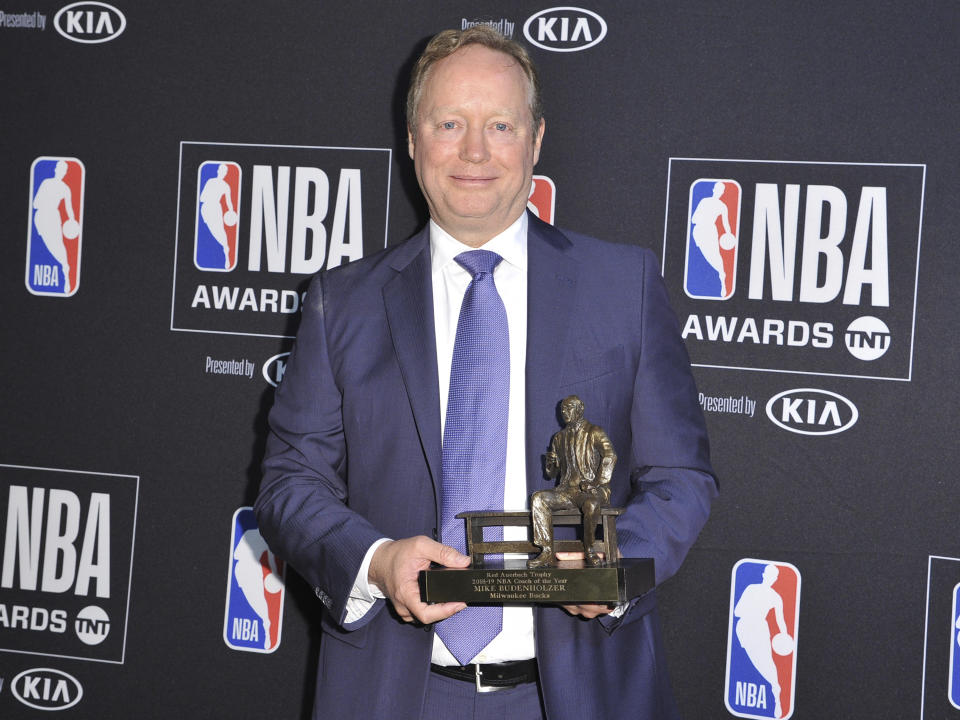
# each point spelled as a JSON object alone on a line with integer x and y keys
{"x": 551, "y": 298}
{"x": 408, "y": 299}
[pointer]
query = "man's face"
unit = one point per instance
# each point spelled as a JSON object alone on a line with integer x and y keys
{"x": 474, "y": 147}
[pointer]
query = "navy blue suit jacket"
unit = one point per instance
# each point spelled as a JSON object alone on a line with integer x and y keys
{"x": 354, "y": 455}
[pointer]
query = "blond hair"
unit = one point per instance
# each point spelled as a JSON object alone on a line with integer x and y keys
{"x": 447, "y": 42}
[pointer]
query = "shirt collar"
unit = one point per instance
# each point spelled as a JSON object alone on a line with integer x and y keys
{"x": 511, "y": 245}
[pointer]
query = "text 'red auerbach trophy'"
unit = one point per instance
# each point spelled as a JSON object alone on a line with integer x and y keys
{"x": 582, "y": 457}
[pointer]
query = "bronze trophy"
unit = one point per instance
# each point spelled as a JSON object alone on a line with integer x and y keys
{"x": 582, "y": 457}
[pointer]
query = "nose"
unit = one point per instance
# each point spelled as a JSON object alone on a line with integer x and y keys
{"x": 473, "y": 149}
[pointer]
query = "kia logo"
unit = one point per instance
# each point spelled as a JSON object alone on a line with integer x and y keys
{"x": 565, "y": 29}
{"x": 809, "y": 411}
{"x": 89, "y": 22}
{"x": 274, "y": 368}
{"x": 46, "y": 689}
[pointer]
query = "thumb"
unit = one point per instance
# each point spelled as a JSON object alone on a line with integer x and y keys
{"x": 450, "y": 557}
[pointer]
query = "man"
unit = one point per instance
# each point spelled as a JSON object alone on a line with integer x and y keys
{"x": 357, "y": 479}
{"x": 583, "y": 457}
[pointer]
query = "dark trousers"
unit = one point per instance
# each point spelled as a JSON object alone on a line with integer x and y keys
{"x": 452, "y": 699}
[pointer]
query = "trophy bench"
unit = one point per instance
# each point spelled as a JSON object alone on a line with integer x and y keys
{"x": 477, "y": 547}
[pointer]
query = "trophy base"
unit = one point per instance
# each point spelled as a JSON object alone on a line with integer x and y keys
{"x": 511, "y": 582}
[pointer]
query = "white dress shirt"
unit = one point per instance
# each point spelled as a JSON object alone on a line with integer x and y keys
{"x": 450, "y": 281}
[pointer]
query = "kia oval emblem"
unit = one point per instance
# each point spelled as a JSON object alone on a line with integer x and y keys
{"x": 809, "y": 411}
{"x": 274, "y": 368}
{"x": 46, "y": 689}
{"x": 565, "y": 29}
{"x": 89, "y": 22}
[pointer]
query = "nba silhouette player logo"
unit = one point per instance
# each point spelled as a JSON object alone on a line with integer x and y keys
{"x": 55, "y": 226}
{"x": 542, "y": 198}
{"x": 713, "y": 236}
{"x": 954, "y": 686}
{"x": 218, "y": 214}
{"x": 255, "y": 589}
{"x": 762, "y": 640}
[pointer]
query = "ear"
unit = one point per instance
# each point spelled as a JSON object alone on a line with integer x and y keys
{"x": 410, "y": 143}
{"x": 538, "y": 140}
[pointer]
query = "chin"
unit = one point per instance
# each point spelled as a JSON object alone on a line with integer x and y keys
{"x": 467, "y": 212}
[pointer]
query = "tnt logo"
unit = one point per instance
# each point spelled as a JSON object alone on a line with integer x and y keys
{"x": 92, "y": 625}
{"x": 255, "y": 589}
{"x": 218, "y": 210}
{"x": 867, "y": 338}
{"x": 713, "y": 231}
{"x": 55, "y": 225}
{"x": 542, "y": 198}
{"x": 762, "y": 640}
{"x": 954, "y": 687}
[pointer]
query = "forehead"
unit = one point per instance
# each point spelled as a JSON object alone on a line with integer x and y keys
{"x": 476, "y": 74}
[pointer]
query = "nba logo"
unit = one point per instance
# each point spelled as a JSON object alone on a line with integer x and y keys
{"x": 713, "y": 232}
{"x": 56, "y": 221}
{"x": 954, "y": 689}
{"x": 218, "y": 213}
{"x": 762, "y": 639}
{"x": 255, "y": 589}
{"x": 542, "y": 196}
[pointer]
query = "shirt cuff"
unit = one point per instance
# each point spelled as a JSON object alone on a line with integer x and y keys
{"x": 364, "y": 593}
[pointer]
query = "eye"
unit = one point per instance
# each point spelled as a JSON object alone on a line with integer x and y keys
{"x": 448, "y": 125}
{"x": 501, "y": 126}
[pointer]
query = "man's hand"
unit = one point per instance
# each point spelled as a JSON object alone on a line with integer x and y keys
{"x": 588, "y": 610}
{"x": 394, "y": 569}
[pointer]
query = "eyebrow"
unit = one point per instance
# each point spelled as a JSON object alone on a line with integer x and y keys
{"x": 456, "y": 109}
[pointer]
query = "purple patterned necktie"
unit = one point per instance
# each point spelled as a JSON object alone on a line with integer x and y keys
{"x": 475, "y": 437}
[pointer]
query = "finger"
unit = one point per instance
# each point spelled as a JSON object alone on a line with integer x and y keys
{"x": 588, "y": 611}
{"x": 402, "y": 611}
{"x": 448, "y": 556}
{"x": 573, "y": 609}
{"x": 574, "y": 555}
{"x": 440, "y": 611}
{"x": 409, "y": 599}
{"x": 594, "y": 611}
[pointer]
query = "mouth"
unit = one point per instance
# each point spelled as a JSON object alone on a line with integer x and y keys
{"x": 472, "y": 180}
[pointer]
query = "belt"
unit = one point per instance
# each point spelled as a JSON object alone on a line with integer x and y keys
{"x": 491, "y": 675}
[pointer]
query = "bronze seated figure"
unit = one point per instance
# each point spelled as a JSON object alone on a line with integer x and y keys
{"x": 582, "y": 455}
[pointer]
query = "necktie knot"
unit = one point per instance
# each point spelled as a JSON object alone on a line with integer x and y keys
{"x": 477, "y": 262}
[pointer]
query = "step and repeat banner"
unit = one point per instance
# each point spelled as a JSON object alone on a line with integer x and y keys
{"x": 173, "y": 173}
